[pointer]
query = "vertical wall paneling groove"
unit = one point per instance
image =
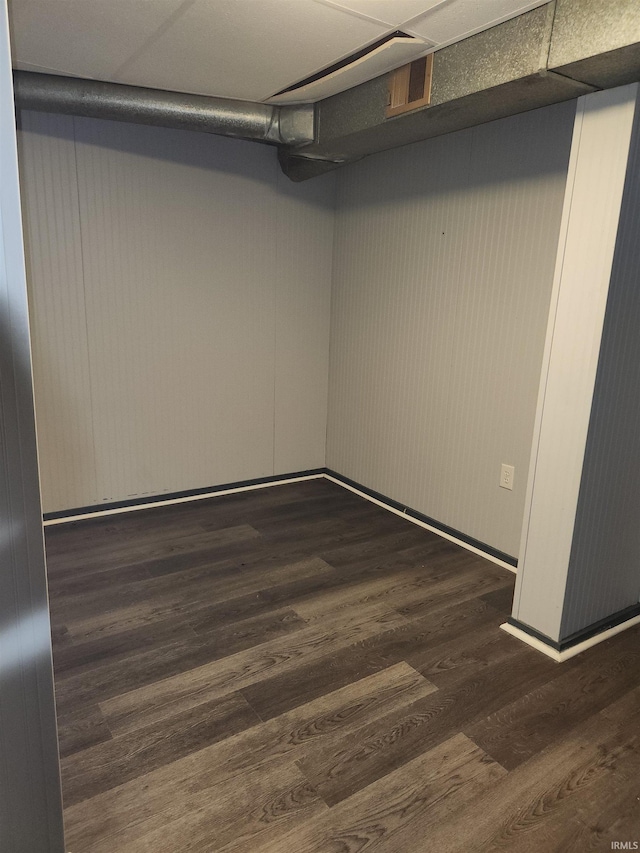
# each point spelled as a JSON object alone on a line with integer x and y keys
{"x": 443, "y": 264}
{"x": 177, "y": 249}
{"x": 583, "y": 275}
{"x": 30, "y": 800}
{"x": 58, "y": 309}
{"x": 180, "y": 311}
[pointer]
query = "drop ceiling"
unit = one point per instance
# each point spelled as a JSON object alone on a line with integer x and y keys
{"x": 246, "y": 49}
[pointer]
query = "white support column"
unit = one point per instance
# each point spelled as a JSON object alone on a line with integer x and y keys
{"x": 30, "y": 801}
{"x": 596, "y": 181}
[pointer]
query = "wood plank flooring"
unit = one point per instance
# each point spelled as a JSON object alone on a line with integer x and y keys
{"x": 295, "y": 670}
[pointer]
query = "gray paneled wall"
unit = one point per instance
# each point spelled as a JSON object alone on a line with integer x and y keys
{"x": 30, "y": 796}
{"x": 180, "y": 297}
{"x": 443, "y": 264}
{"x": 181, "y": 307}
{"x": 604, "y": 567}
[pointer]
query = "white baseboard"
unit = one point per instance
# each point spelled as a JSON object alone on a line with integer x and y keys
{"x": 99, "y": 513}
{"x": 424, "y": 524}
{"x": 560, "y": 657}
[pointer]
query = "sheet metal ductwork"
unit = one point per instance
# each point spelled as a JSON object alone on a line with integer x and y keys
{"x": 554, "y": 53}
{"x": 277, "y": 125}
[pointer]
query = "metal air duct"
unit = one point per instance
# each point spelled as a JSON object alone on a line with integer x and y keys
{"x": 553, "y": 53}
{"x": 277, "y": 125}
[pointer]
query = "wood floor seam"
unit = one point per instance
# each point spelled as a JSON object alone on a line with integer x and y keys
{"x": 255, "y": 711}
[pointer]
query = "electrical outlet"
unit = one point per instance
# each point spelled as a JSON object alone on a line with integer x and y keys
{"x": 506, "y": 476}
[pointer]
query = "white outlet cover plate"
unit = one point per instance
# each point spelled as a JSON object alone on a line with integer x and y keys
{"x": 507, "y": 473}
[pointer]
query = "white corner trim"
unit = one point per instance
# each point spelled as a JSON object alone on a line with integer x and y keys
{"x": 594, "y": 190}
{"x": 560, "y": 657}
{"x": 99, "y": 513}
{"x": 424, "y": 524}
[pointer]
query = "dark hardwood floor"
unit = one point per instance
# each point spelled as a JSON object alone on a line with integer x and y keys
{"x": 295, "y": 670}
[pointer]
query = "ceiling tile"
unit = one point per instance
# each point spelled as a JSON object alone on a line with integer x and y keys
{"x": 386, "y": 57}
{"x": 456, "y": 19}
{"x": 390, "y": 12}
{"x": 243, "y": 49}
{"x": 85, "y": 38}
